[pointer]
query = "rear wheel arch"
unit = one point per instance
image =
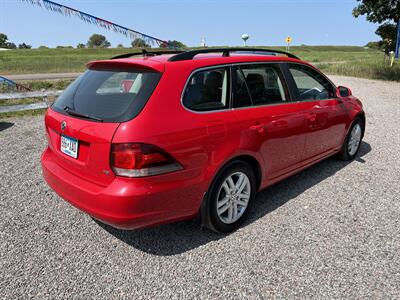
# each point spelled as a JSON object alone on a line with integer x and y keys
{"x": 254, "y": 164}
{"x": 249, "y": 160}
{"x": 246, "y": 158}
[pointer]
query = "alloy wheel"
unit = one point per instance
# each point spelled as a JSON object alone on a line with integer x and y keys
{"x": 233, "y": 197}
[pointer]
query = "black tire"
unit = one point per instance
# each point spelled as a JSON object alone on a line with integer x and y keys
{"x": 344, "y": 153}
{"x": 212, "y": 220}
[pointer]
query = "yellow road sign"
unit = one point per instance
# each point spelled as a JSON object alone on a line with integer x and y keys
{"x": 288, "y": 40}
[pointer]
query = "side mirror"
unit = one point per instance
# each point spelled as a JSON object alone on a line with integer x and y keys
{"x": 343, "y": 92}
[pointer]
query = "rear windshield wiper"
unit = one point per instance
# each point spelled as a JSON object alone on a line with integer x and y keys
{"x": 72, "y": 112}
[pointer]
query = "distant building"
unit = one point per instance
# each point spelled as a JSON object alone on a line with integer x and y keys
{"x": 203, "y": 42}
{"x": 4, "y": 49}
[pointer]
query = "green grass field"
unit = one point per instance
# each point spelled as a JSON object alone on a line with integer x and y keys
{"x": 340, "y": 60}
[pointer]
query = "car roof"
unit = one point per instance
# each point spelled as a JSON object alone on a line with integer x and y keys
{"x": 158, "y": 62}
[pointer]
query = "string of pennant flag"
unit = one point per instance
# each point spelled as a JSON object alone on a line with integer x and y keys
{"x": 68, "y": 11}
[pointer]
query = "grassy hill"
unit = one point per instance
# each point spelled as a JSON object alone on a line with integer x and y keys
{"x": 341, "y": 60}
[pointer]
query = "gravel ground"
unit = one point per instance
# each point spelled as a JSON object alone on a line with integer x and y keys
{"x": 332, "y": 231}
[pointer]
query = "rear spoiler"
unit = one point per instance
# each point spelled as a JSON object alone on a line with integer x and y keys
{"x": 149, "y": 65}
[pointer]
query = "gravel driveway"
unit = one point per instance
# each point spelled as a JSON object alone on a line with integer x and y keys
{"x": 332, "y": 231}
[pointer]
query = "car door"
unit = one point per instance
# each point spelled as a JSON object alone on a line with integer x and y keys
{"x": 325, "y": 113}
{"x": 207, "y": 95}
{"x": 269, "y": 122}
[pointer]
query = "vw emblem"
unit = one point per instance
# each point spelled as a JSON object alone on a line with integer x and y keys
{"x": 63, "y": 125}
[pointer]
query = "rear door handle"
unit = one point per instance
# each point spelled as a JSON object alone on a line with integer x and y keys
{"x": 260, "y": 128}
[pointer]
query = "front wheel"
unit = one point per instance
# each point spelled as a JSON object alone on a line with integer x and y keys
{"x": 352, "y": 142}
{"x": 230, "y": 196}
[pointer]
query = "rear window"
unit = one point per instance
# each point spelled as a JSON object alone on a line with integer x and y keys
{"x": 109, "y": 95}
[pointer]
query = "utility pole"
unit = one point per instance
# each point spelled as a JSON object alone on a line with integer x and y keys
{"x": 397, "y": 54}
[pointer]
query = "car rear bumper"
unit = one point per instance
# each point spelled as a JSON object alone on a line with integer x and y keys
{"x": 129, "y": 203}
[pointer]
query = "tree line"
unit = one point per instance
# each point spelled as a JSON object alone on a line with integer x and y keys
{"x": 100, "y": 41}
{"x": 94, "y": 41}
{"x": 5, "y": 43}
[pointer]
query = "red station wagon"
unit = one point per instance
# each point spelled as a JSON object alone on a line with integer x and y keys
{"x": 140, "y": 140}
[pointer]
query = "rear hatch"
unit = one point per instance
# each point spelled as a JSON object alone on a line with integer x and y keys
{"x": 82, "y": 122}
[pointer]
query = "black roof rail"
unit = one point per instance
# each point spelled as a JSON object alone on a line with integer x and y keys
{"x": 145, "y": 53}
{"x": 188, "y": 55}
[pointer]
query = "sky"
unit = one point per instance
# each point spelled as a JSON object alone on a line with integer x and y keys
{"x": 220, "y": 22}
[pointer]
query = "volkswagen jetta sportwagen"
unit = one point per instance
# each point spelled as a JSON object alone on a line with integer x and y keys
{"x": 151, "y": 138}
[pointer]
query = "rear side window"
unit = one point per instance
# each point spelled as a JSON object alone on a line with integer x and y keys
{"x": 109, "y": 95}
{"x": 259, "y": 85}
{"x": 208, "y": 90}
{"x": 311, "y": 85}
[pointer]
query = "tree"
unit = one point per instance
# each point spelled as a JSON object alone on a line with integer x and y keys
{"x": 11, "y": 45}
{"x": 120, "y": 46}
{"x": 384, "y": 12}
{"x": 24, "y": 46}
{"x": 3, "y": 40}
{"x": 98, "y": 41}
{"x": 176, "y": 44}
{"x": 80, "y": 46}
{"x": 374, "y": 45}
{"x": 139, "y": 43}
{"x": 388, "y": 33}
{"x": 43, "y": 47}
{"x": 4, "y": 43}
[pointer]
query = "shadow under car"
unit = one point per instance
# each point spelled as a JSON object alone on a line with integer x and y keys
{"x": 176, "y": 238}
{"x": 5, "y": 125}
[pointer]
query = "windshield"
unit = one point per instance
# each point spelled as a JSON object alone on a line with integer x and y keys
{"x": 108, "y": 95}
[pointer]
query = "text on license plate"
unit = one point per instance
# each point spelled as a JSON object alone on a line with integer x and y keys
{"x": 69, "y": 146}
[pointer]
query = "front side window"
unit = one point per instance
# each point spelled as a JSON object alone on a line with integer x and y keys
{"x": 311, "y": 85}
{"x": 208, "y": 90}
{"x": 259, "y": 85}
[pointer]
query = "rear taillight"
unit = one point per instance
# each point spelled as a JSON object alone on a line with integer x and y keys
{"x": 139, "y": 160}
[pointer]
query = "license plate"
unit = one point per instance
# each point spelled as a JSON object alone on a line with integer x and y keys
{"x": 69, "y": 146}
